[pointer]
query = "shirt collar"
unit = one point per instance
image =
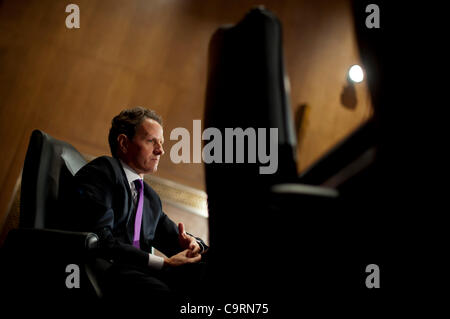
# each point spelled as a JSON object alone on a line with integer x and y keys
{"x": 130, "y": 173}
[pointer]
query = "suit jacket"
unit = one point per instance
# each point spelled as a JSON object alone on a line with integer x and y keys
{"x": 103, "y": 204}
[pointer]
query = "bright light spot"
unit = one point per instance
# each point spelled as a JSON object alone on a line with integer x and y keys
{"x": 356, "y": 73}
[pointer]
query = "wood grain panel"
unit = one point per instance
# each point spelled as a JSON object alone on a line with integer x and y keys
{"x": 70, "y": 83}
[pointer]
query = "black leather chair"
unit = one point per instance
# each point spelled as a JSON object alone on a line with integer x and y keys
{"x": 35, "y": 255}
{"x": 258, "y": 221}
{"x": 274, "y": 234}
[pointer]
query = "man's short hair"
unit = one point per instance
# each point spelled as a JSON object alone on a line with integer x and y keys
{"x": 126, "y": 123}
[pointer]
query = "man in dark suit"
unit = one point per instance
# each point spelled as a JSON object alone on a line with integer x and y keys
{"x": 113, "y": 201}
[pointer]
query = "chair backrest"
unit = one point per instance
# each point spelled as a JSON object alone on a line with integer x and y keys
{"x": 247, "y": 88}
{"x": 49, "y": 167}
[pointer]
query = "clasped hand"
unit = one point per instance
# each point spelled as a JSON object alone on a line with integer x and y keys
{"x": 191, "y": 250}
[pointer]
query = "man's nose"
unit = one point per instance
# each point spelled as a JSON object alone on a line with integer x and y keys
{"x": 159, "y": 150}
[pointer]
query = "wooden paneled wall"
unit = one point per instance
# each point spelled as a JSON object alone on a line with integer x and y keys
{"x": 71, "y": 82}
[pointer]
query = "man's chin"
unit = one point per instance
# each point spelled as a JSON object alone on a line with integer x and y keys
{"x": 152, "y": 170}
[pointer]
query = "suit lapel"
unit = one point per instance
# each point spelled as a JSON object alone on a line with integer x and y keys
{"x": 130, "y": 212}
{"x": 148, "y": 216}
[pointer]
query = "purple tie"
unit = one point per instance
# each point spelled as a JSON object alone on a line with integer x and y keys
{"x": 139, "y": 184}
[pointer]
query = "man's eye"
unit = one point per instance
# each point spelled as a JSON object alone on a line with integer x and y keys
{"x": 154, "y": 141}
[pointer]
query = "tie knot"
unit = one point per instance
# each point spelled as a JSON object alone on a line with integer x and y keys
{"x": 139, "y": 184}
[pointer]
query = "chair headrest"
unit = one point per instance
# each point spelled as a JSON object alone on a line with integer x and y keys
{"x": 48, "y": 168}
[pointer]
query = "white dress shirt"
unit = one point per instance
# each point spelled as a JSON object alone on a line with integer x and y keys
{"x": 155, "y": 262}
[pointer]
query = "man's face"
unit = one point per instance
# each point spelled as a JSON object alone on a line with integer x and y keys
{"x": 142, "y": 153}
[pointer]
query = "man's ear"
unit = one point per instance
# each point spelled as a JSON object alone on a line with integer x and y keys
{"x": 123, "y": 142}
